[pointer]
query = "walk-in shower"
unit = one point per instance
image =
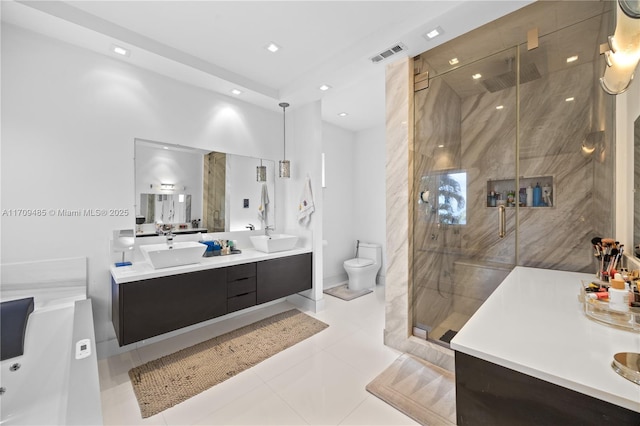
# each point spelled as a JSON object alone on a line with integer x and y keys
{"x": 513, "y": 157}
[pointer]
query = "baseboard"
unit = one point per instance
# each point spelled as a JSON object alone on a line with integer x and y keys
{"x": 305, "y": 303}
{"x": 335, "y": 280}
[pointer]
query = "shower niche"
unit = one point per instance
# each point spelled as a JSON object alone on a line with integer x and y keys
{"x": 537, "y": 191}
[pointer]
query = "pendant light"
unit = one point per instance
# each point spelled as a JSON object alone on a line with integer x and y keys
{"x": 261, "y": 172}
{"x": 285, "y": 165}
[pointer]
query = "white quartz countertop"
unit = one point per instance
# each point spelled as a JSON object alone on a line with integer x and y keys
{"x": 533, "y": 323}
{"x": 143, "y": 270}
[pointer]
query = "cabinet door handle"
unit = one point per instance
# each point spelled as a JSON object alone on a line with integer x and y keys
{"x": 502, "y": 230}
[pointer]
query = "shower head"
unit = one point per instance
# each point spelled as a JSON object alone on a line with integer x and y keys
{"x": 508, "y": 79}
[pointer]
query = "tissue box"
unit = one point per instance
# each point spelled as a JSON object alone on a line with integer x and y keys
{"x": 213, "y": 248}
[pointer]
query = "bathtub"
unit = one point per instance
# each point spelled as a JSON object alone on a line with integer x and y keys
{"x": 51, "y": 386}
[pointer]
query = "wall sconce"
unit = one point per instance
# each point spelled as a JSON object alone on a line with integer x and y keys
{"x": 167, "y": 187}
{"x": 261, "y": 172}
{"x": 624, "y": 54}
{"x": 285, "y": 165}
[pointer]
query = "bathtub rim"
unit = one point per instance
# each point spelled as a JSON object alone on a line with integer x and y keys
{"x": 84, "y": 406}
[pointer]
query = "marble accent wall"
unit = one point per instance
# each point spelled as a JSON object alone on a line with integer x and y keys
{"x": 399, "y": 184}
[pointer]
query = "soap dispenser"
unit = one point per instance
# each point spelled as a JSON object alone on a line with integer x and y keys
{"x": 537, "y": 196}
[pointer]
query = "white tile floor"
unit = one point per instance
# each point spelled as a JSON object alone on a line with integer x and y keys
{"x": 320, "y": 381}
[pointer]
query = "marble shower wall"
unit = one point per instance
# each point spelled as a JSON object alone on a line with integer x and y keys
{"x": 552, "y": 134}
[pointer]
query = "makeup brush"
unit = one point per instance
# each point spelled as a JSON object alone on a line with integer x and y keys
{"x": 612, "y": 264}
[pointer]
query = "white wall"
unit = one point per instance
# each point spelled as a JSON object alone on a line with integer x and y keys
{"x": 370, "y": 196}
{"x": 69, "y": 120}
{"x": 354, "y": 197}
{"x": 339, "y": 201}
{"x": 304, "y": 150}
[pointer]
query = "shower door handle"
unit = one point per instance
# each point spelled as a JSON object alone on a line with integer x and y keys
{"x": 502, "y": 231}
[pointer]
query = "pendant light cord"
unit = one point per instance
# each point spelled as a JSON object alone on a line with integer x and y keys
{"x": 284, "y": 106}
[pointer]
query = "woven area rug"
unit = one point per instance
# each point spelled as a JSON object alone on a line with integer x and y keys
{"x": 419, "y": 389}
{"x": 343, "y": 292}
{"x": 167, "y": 381}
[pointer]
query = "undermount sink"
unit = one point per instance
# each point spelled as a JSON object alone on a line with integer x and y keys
{"x": 274, "y": 242}
{"x": 182, "y": 253}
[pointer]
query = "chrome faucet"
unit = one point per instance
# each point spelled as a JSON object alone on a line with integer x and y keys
{"x": 169, "y": 235}
{"x": 267, "y": 229}
{"x": 250, "y": 227}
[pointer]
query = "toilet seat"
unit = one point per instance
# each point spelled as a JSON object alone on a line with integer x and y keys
{"x": 358, "y": 262}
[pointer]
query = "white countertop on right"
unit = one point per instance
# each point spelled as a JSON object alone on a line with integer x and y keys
{"x": 533, "y": 323}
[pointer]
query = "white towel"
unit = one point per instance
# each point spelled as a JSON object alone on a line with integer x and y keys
{"x": 264, "y": 203}
{"x": 306, "y": 206}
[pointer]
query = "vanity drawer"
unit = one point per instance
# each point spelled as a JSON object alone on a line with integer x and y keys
{"x": 240, "y": 302}
{"x": 241, "y": 271}
{"x": 241, "y": 286}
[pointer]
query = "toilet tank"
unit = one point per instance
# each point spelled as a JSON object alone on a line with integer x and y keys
{"x": 370, "y": 251}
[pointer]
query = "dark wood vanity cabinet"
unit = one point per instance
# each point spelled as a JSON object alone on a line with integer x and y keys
{"x": 283, "y": 276}
{"x": 147, "y": 308}
{"x": 241, "y": 286}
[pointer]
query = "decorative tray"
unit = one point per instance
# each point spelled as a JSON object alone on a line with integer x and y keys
{"x": 599, "y": 310}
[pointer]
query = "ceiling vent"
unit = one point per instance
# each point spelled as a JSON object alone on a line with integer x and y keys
{"x": 397, "y": 48}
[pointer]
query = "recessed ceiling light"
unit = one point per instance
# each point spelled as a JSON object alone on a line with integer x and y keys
{"x": 343, "y": 114}
{"x": 572, "y": 58}
{"x": 476, "y": 76}
{"x": 120, "y": 50}
{"x": 433, "y": 33}
{"x": 236, "y": 92}
{"x": 500, "y": 107}
{"x": 165, "y": 147}
{"x": 272, "y": 47}
{"x": 441, "y": 146}
{"x": 453, "y": 61}
{"x": 571, "y": 99}
{"x": 324, "y": 87}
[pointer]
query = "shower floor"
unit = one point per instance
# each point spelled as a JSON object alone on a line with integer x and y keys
{"x": 454, "y": 322}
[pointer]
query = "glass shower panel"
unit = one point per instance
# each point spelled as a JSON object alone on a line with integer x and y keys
{"x": 464, "y": 179}
{"x": 565, "y": 147}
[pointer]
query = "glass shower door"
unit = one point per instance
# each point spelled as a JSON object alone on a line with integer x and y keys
{"x": 465, "y": 192}
{"x": 513, "y": 165}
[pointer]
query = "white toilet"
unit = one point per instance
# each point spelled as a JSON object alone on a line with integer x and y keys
{"x": 362, "y": 270}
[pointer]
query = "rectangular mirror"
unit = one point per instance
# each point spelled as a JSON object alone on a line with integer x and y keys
{"x": 195, "y": 190}
{"x": 165, "y": 208}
